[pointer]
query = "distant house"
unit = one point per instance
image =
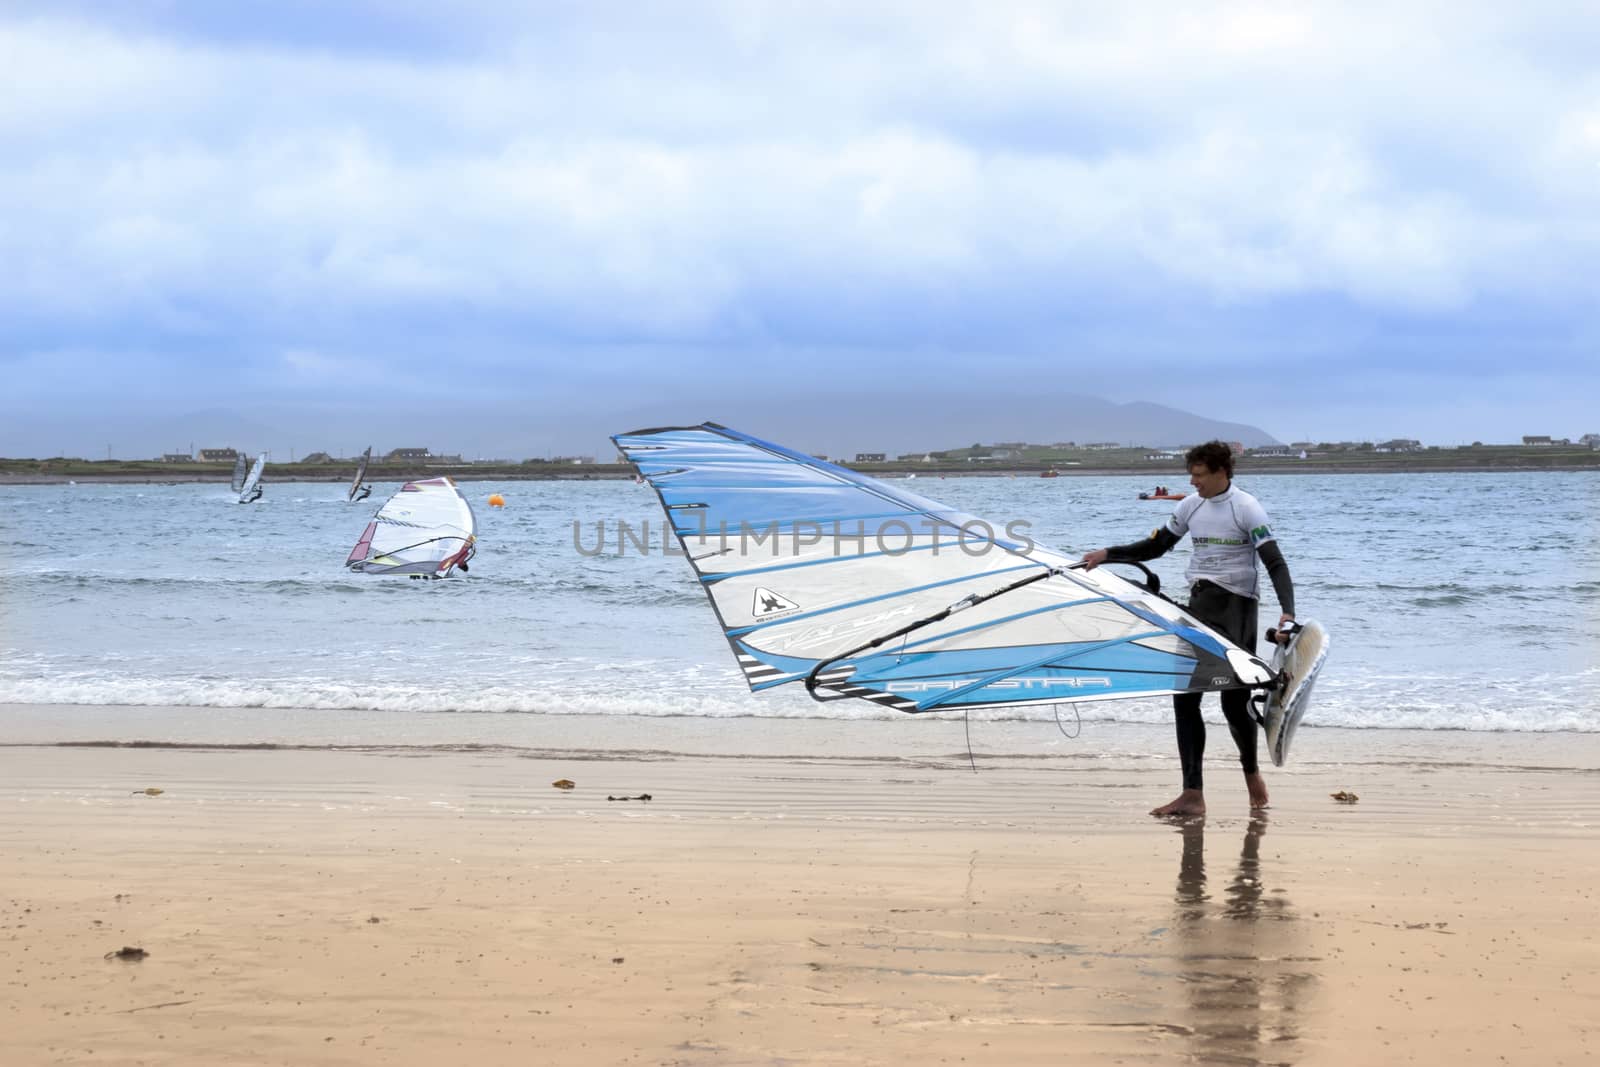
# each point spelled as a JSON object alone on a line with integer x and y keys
{"x": 1065, "y": 444}
{"x": 1274, "y": 451}
{"x": 404, "y": 455}
{"x": 1590, "y": 439}
{"x": 1539, "y": 440}
{"x": 318, "y": 457}
{"x": 1102, "y": 446}
{"x": 995, "y": 454}
{"x": 869, "y": 457}
{"x": 218, "y": 455}
{"x": 572, "y": 460}
{"x": 1400, "y": 444}
{"x": 915, "y": 457}
{"x": 177, "y": 457}
{"x": 444, "y": 461}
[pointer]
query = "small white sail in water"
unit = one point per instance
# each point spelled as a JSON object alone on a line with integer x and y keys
{"x": 427, "y": 529}
{"x": 357, "y": 490}
{"x": 251, "y": 490}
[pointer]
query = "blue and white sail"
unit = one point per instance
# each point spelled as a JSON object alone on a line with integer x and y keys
{"x": 856, "y": 588}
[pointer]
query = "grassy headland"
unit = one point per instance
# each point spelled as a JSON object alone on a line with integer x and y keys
{"x": 1026, "y": 460}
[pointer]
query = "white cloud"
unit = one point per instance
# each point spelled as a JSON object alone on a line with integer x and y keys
{"x": 623, "y": 172}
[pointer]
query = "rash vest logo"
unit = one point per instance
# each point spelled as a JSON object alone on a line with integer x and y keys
{"x": 767, "y": 603}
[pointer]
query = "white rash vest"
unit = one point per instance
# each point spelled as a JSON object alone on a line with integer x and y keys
{"x": 1226, "y": 531}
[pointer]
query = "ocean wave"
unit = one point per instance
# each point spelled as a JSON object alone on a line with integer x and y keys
{"x": 1537, "y": 705}
{"x": 1440, "y": 594}
{"x": 633, "y": 593}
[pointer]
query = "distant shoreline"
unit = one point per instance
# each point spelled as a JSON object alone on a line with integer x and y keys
{"x": 614, "y": 472}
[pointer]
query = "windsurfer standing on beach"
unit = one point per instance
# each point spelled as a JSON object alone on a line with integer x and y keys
{"x": 1229, "y": 530}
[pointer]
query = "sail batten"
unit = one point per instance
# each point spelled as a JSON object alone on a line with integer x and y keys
{"x": 869, "y": 610}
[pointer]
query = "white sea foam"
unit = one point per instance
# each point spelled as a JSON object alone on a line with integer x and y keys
{"x": 1414, "y": 707}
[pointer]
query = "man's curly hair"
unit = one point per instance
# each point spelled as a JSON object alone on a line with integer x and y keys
{"x": 1216, "y": 455}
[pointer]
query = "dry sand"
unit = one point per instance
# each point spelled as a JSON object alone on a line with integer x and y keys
{"x": 335, "y": 907}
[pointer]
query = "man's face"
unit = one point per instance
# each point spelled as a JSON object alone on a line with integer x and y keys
{"x": 1207, "y": 482}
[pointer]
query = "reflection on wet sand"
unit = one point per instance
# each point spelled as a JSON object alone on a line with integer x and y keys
{"x": 1245, "y": 984}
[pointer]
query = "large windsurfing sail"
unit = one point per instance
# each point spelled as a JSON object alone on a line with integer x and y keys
{"x": 361, "y": 473}
{"x": 426, "y": 529}
{"x": 240, "y": 465}
{"x": 251, "y": 489}
{"x": 855, "y": 588}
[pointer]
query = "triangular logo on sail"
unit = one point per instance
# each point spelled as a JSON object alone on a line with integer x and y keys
{"x": 769, "y": 603}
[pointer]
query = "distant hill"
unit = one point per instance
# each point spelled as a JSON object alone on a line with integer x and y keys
{"x": 910, "y": 420}
{"x": 831, "y": 421}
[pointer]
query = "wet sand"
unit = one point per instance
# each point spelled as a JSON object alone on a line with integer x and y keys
{"x": 419, "y": 906}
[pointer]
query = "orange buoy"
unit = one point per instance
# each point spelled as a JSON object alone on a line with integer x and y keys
{"x": 496, "y": 500}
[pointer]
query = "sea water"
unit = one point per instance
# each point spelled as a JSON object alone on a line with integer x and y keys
{"x": 1454, "y": 602}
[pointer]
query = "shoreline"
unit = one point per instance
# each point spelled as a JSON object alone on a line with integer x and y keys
{"x": 894, "y": 473}
{"x": 340, "y": 907}
{"x": 929, "y": 740}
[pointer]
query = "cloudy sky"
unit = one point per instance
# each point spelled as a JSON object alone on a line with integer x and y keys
{"x": 511, "y": 229}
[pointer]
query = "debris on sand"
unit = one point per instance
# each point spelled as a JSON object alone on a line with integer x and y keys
{"x": 564, "y": 783}
{"x": 153, "y": 791}
{"x": 641, "y": 796}
{"x": 1344, "y": 798}
{"x": 127, "y": 952}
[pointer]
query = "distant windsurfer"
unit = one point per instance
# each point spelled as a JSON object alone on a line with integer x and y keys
{"x": 364, "y": 492}
{"x": 1228, "y": 528}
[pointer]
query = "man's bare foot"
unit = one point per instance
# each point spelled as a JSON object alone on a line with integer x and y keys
{"x": 1258, "y": 791}
{"x": 1189, "y": 802}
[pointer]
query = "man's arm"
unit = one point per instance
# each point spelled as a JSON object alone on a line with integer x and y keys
{"x": 1278, "y": 571}
{"x": 1159, "y": 543}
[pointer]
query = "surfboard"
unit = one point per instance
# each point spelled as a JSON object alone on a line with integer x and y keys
{"x": 1300, "y": 661}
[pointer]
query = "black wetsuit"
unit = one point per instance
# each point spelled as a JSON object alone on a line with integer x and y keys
{"x": 1230, "y": 613}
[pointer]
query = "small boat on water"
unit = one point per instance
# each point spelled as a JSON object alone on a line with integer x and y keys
{"x": 1051, "y": 473}
{"x": 1161, "y": 492}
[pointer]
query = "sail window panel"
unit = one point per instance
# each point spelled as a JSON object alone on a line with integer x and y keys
{"x": 858, "y": 585}
{"x": 1170, "y": 644}
{"x": 771, "y": 549}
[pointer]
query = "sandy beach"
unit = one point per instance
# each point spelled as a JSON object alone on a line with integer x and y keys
{"x": 414, "y": 905}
